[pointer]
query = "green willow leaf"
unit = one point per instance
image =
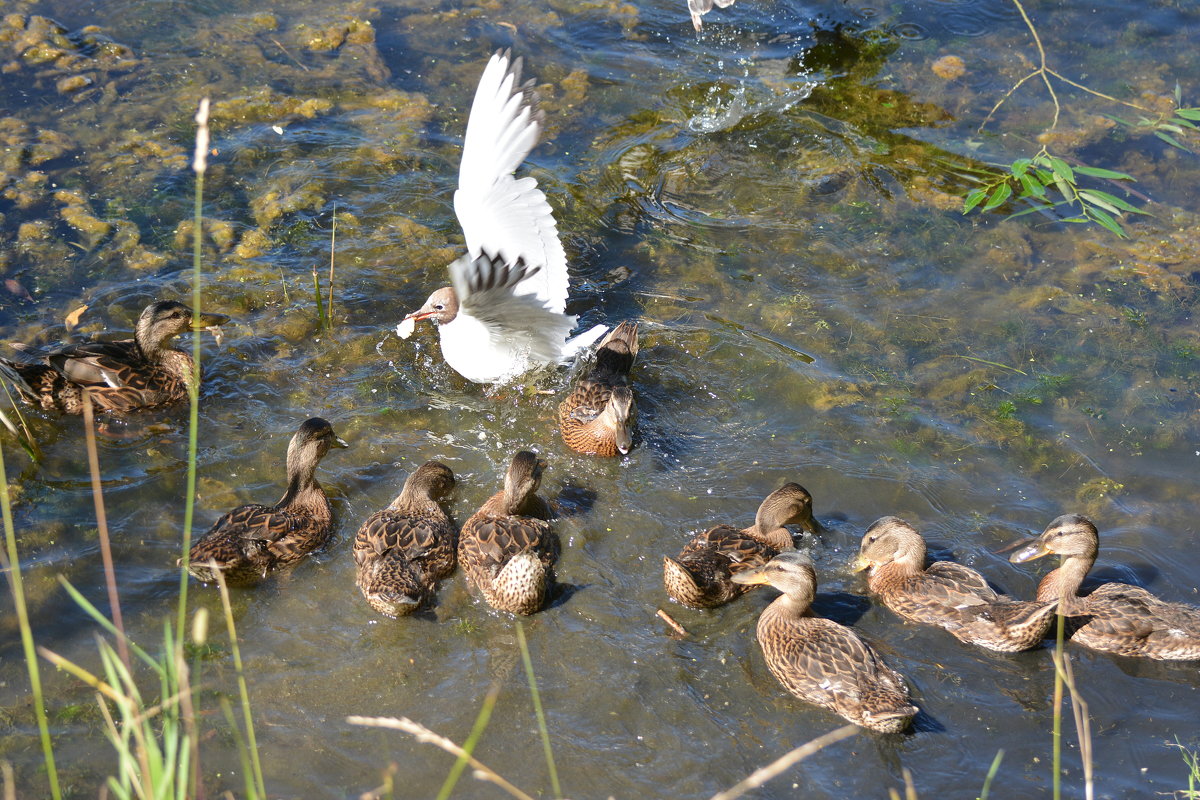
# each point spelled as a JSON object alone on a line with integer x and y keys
{"x": 1169, "y": 139}
{"x": 1107, "y": 222}
{"x": 973, "y": 199}
{"x": 1093, "y": 200}
{"x": 1188, "y": 113}
{"x": 1097, "y": 172}
{"x": 1060, "y": 167}
{"x": 1116, "y": 201}
{"x": 1020, "y": 166}
{"x": 1031, "y": 188}
{"x": 999, "y": 195}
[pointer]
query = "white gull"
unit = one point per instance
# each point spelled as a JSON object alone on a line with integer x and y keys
{"x": 503, "y": 313}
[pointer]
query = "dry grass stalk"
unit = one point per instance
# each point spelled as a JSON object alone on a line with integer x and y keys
{"x": 781, "y": 764}
{"x": 110, "y": 576}
{"x": 426, "y": 736}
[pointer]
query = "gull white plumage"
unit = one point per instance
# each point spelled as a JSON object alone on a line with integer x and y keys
{"x": 503, "y": 313}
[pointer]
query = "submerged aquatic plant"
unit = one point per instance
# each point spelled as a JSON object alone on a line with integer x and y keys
{"x": 1045, "y": 181}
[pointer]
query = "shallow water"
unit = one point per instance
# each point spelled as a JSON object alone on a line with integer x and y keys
{"x": 773, "y": 200}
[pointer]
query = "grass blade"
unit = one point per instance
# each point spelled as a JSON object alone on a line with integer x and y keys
{"x": 779, "y": 765}
{"x": 11, "y": 562}
{"x": 481, "y": 722}
{"x": 537, "y": 708}
{"x": 243, "y": 691}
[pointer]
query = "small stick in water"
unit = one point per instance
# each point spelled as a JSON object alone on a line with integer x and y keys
{"x": 682, "y": 631}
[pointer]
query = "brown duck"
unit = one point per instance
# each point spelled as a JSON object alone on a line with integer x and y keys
{"x": 403, "y": 551}
{"x": 1113, "y": 617}
{"x": 252, "y": 540}
{"x": 819, "y": 660}
{"x": 701, "y": 576}
{"x": 507, "y": 548}
{"x": 596, "y": 418}
{"x": 120, "y": 376}
{"x": 946, "y": 594}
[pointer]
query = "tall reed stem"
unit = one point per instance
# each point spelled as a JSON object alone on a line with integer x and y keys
{"x": 199, "y": 166}
{"x": 1058, "y": 702}
{"x": 11, "y": 562}
{"x": 243, "y": 691}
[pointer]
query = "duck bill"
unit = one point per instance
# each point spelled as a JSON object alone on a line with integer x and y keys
{"x": 340, "y": 442}
{"x": 751, "y": 577}
{"x": 1029, "y": 552}
{"x": 862, "y": 564}
{"x": 624, "y": 440}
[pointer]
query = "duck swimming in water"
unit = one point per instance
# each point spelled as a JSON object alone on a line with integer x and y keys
{"x": 503, "y": 313}
{"x": 946, "y": 594}
{"x": 507, "y": 547}
{"x": 121, "y": 376}
{"x": 403, "y": 551}
{"x": 819, "y": 660}
{"x": 1113, "y": 617}
{"x": 596, "y": 417}
{"x": 252, "y": 540}
{"x": 701, "y": 576}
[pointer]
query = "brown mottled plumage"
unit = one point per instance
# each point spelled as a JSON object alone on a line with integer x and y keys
{"x": 949, "y": 595}
{"x": 820, "y": 661}
{"x": 596, "y": 417}
{"x": 507, "y": 548}
{"x": 252, "y": 540}
{"x": 1113, "y": 617}
{"x": 402, "y": 551}
{"x": 700, "y": 577}
{"x": 120, "y": 376}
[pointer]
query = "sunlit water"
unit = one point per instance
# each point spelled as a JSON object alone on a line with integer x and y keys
{"x": 774, "y": 200}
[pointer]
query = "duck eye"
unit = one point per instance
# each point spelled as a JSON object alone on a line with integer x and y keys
{"x": 440, "y": 307}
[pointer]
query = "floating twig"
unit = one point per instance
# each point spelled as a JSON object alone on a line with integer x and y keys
{"x": 682, "y": 631}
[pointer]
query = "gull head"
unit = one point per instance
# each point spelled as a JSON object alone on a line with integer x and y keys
{"x": 441, "y": 307}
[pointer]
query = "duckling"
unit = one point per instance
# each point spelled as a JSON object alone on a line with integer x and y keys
{"x": 402, "y": 551}
{"x": 1113, "y": 617}
{"x": 700, "y": 577}
{"x": 819, "y": 660}
{"x": 507, "y": 548}
{"x": 121, "y": 376}
{"x": 595, "y": 419}
{"x": 949, "y": 595}
{"x": 252, "y": 540}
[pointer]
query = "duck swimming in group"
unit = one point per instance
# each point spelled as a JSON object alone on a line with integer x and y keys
{"x": 120, "y": 376}
{"x": 507, "y": 547}
{"x": 701, "y": 575}
{"x": 504, "y": 312}
{"x": 946, "y": 594}
{"x": 596, "y": 418}
{"x": 252, "y": 540}
{"x": 821, "y": 661}
{"x": 1113, "y": 617}
{"x": 401, "y": 552}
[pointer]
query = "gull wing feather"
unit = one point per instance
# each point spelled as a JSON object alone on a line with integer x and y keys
{"x": 485, "y": 288}
{"x": 499, "y": 214}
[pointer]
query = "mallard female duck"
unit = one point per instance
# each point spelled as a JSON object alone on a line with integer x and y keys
{"x": 403, "y": 551}
{"x": 507, "y": 547}
{"x": 1113, "y": 617}
{"x": 946, "y": 594}
{"x": 820, "y": 661}
{"x": 252, "y": 540}
{"x": 121, "y": 376}
{"x": 700, "y": 576}
{"x": 596, "y": 417}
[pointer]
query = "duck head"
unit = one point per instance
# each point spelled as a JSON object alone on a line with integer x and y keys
{"x": 891, "y": 540}
{"x": 1068, "y": 535}
{"x": 162, "y": 321}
